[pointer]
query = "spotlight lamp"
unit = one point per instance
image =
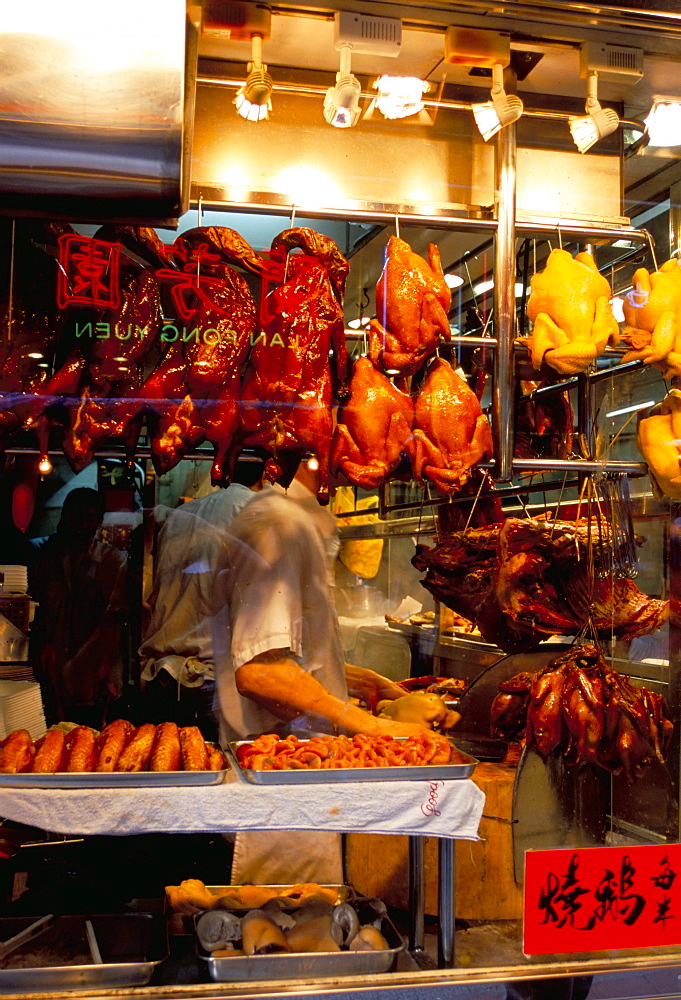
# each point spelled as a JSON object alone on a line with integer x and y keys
{"x": 253, "y": 101}
{"x": 503, "y": 109}
{"x": 399, "y": 96}
{"x": 597, "y": 123}
{"x": 341, "y": 104}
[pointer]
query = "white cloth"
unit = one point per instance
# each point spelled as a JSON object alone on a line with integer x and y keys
{"x": 451, "y": 808}
{"x": 184, "y": 623}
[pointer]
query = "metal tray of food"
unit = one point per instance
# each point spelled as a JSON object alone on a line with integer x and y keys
{"x": 463, "y": 768}
{"x": 131, "y": 945}
{"x": 260, "y": 894}
{"x": 304, "y": 965}
{"x": 112, "y": 779}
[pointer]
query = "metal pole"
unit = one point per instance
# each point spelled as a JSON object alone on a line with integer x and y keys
{"x": 504, "y": 303}
{"x": 417, "y": 894}
{"x": 446, "y": 897}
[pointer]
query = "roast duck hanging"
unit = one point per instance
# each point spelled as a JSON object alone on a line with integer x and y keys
{"x": 298, "y": 364}
{"x": 523, "y": 579}
{"x": 569, "y": 307}
{"x": 580, "y": 707}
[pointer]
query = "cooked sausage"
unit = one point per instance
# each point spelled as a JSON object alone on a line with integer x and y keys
{"x": 80, "y": 750}
{"x": 17, "y": 752}
{"x": 166, "y": 754}
{"x": 194, "y": 752}
{"x": 111, "y": 742}
{"x": 50, "y": 753}
{"x": 135, "y": 756}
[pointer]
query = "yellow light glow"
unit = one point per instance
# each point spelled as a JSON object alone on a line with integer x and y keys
{"x": 44, "y": 466}
{"x": 307, "y": 186}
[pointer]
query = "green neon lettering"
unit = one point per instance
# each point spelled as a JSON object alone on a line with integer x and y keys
{"x": 169, "y": 333}
{"x": 84, "y": 331}
{"x": 106, "y": 328}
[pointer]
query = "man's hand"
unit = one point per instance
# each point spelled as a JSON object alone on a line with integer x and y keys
{"x": 369, "y": 687}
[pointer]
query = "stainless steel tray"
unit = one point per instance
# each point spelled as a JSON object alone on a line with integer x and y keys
{"x": 303, "y": 965}
{"x": 427, "y": 772}
{"x": 115, "y": 779}
{"x": 132, "y": 945}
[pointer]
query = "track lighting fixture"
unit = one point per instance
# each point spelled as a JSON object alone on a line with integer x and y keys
{"x": 253, "y": 100}
{"x": 341, "y": 104}
{"x": 503, "y": 109}
{"x": 597, "y": 123}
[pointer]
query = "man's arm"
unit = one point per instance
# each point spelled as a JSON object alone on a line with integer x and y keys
{"x": 281, "y": 685}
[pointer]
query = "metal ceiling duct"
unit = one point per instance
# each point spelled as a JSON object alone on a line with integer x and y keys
{"x": 96, "y": 109}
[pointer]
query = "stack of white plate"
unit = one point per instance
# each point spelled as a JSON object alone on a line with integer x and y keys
{"x": 14, "y": 579}
{"x": 21, "y": 707}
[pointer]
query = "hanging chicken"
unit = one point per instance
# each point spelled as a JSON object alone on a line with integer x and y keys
{"x": 569, "y": 307}
{"x": 412, "y": 300}
{"x": 652, "y": 313}
{"x": 658, "y": 436}
{"x": 298, "y": 362}
{"x": 451, "y": 433}
{"x": 585, "y": 710}
{"x": 374, "y": 428}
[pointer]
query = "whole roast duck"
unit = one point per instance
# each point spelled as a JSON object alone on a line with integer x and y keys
{"x": 580, "y": 707}
{"x": 298, "y": 363}
{"x": 412, "y": 300}
{"x": 222, "y": 309}
{"x": 523, "y": 579}
{"x": 103, "y": 372}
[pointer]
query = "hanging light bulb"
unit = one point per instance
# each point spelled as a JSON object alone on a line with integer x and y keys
{"x": 253, "y": 100}
{"x": 399, "y": 96}
{"x": 341, "y": 104}
{"x": 503, "y": 109}
{"x": 597, "y": 123}
{"x": 44, "y": 466}
{"x": 664, "y": 122}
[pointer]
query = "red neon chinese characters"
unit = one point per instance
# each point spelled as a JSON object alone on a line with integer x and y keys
{"x": 88, "y": 272}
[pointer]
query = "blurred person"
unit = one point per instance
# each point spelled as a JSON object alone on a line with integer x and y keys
{"x": 242, "y": 593}
{"x": 79, "y": 584}
{"x": 177, "y": 655}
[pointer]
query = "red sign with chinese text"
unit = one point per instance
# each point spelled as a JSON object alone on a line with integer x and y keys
{"x": 601, "y": 899}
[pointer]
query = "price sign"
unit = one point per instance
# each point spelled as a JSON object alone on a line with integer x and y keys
{"x": 601, "y": 899}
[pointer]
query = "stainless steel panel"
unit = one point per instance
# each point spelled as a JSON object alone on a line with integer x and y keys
{"x": 95, "y": 109}
{"x": 425, "y": 772}
{"x": 13, "y": 642}
{"x": 132, "y": 946}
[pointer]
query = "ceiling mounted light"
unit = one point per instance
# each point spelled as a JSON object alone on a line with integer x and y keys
{"x": 400, "y": 97}
{"x": 503, "y": 109}
{"x": 253, "y": 100}
{"x": 341, "y": 104}
{"x": 453, "y": 280}
{"x": 664, "y": 122}
{"x": 597, "y": 123}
